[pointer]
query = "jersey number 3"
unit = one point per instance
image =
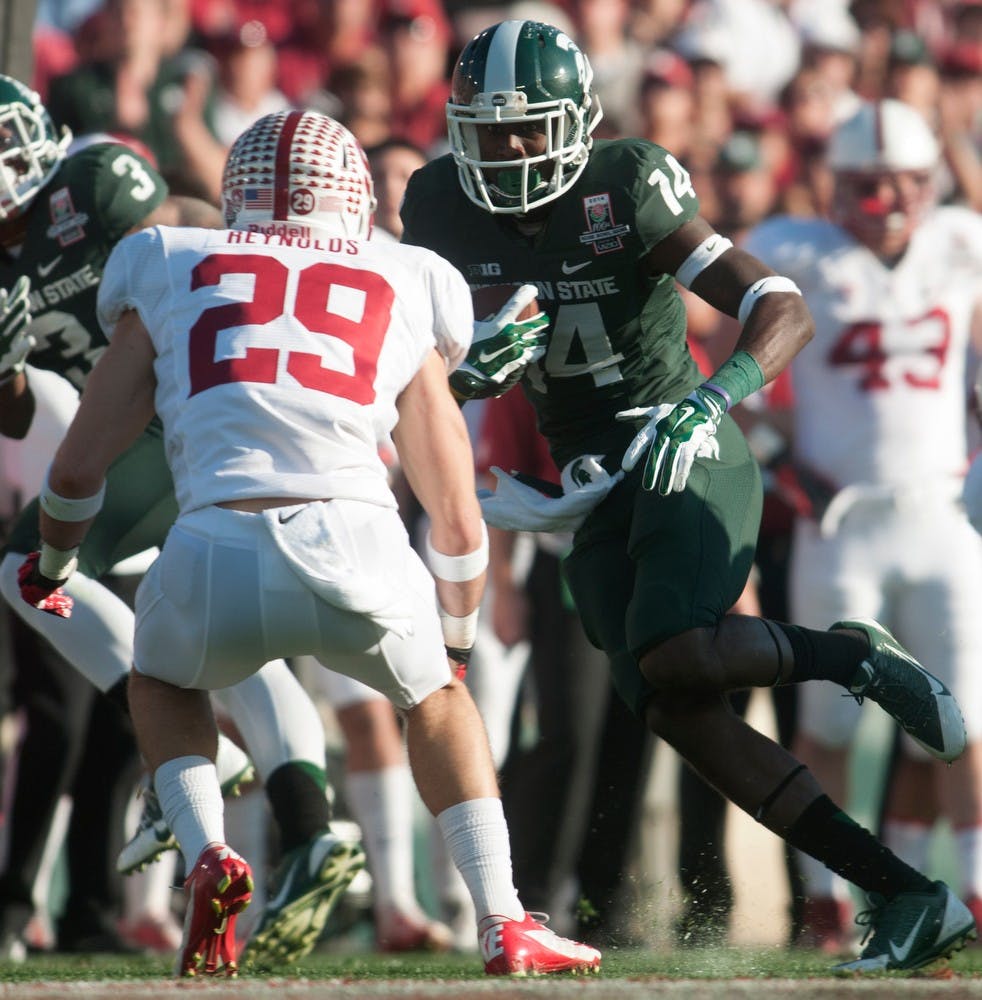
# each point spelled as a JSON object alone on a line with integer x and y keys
{"x": 261, "y": 364}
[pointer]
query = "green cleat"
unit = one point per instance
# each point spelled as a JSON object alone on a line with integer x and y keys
{"x": 912, "y": 930}
{"x": 306, "y": 886}
{"x": 923, "y": 707}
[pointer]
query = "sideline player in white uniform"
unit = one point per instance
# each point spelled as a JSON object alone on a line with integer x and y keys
{"x": 880, "y": 415}
{"x": 276, "y": 354}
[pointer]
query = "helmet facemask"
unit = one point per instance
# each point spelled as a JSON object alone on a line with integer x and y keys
{"x": 30, "y": 149}
{"x": 564, "y": 110}
{"x": 884, "y": 159}
{"x": 882, "y": 209}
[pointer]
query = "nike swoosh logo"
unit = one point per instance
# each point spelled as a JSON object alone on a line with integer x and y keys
{"x": 573, "y": 268}
{"x": 901, "y": 953}
{"x": 290, "y": 516}
{"x": 484, "y": 357}
{"x": 45, "y": 269}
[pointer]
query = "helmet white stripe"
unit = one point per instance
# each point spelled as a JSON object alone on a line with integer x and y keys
{"x": 499, "y": 73}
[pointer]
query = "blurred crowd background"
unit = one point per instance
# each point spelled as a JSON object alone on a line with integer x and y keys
{"x": 743, "y": 92}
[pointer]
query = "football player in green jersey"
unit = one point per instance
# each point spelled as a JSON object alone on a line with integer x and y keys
{"x": 60, "y": 216}
{"x": 604, "y": 229}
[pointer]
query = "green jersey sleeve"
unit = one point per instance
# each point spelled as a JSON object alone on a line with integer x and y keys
{"x": 125, "y": 187}
{"x": 664, "y": 197}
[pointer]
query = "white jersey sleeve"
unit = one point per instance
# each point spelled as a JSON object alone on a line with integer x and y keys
{"x": 115, "y": 293}
{"x": 291, "y": 352}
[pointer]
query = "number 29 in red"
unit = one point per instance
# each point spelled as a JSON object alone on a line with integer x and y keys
{"x": 259, "y": 364}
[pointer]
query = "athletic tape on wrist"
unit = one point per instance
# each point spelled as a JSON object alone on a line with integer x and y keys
{"x": 736, "y": 378}
{"x": 459, "y": 633}
{"x": 57, "y": 564}
{"x": 772, "y": 283}
{"x": 459, "y": 569}
{"x": 68, "y": 508}
{"x": 711, "y": 247}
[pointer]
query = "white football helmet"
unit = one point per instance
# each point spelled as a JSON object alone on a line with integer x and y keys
{"x": 31, "y": 149}
{"x": 299, "y": 168}
{"x": 883, "y": 135}
{"x": 884, "y": 158}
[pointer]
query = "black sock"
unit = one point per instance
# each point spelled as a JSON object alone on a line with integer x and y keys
{"x": 825, "y": 832}
{"x": 297, "y": 796}
{"x": 823, "y": 656}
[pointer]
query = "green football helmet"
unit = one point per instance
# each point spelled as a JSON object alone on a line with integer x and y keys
{"x": 30, "y": 148}
{"x": 531, "y": 72}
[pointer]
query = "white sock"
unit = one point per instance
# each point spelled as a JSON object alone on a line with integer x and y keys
{"x": 909, "y": 841}
{"x": 477, "y": 839}
{"x": 191, "y": 801}
{"x": 968, "y": 844}
{"x": 382, "y": 803}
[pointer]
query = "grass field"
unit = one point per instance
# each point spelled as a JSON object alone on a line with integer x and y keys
{"x": 692, "y": 974}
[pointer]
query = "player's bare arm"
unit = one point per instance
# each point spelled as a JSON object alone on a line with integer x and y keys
{"x": 435, "y": 452}
{"x": 116, "y": 407}
{"x": 779, "y": 323}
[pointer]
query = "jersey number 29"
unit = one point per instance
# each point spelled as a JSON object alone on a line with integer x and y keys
{"x": 261, "y": 364}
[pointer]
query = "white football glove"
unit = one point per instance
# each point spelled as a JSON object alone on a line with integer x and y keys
{"x": 673, "y": 437}
{"x": 15, "y": 317}
{"x": 521, "y": 503}
{"x": 502, "y": 348}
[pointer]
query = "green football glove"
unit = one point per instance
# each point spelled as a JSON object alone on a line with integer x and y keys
{"x": 674, "y": 435}
{"x": 502, "y": 349}
{"x": 15, "y": 317}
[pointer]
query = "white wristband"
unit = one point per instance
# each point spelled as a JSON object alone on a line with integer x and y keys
{"x": 67, "y": 508}
{"x": 458, "y": 569}
{"x": 57, "y": 564}
{"x": 772, "y": 283}
{"x": 459, "y": 633}
{"x": 711, "y": 247}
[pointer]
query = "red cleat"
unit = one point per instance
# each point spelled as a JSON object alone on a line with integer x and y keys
{"x": 974, "y": 904}
{"x": 218, "y": 889}
{"x": 528, "y": 948}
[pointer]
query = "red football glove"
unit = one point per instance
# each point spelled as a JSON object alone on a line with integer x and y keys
{"x": 40, "y": 591}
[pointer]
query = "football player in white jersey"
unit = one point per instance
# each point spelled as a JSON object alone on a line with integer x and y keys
{"x": 277, "y": 353}
{"x": 49, "y": 274}
{"x": 892, "y": 281}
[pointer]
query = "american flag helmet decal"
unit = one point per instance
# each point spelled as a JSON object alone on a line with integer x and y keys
{"x": 301, "y": 167}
